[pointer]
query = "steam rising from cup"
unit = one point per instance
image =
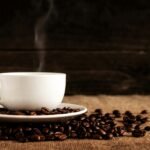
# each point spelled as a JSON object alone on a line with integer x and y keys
{"x": 41, "y": 36}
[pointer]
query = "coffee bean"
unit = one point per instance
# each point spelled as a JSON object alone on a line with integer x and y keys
{"x": 45, "y": 110}
{"x": 128, "y": 113}
{"x": 18, "y": 113}
{"x": 116, "y": 113}
{"x": 33, "y": 113}
{"x": 49, "y": 137}
{"x": 144, "y": 112}
{"x": 45, "y": 130}
{"x": 28, "y": 129}
{"x": 37, "y": 131}
{"x": 62, "y": 137}
{"x": 147, "y": 128}
{"x": 138, "y": 133}
{"x": 19, "y": 135}
{"x": 73, "y": 135}
{"x": 108, "y": 136}
{"x": 35, "y": 137}
{"x": 97, "y": 136}
{"x": 5, "y": 137}
{"x": 102, "y": 132}
{"x": 138, "y": 118}
{"x": 137, "y": 127}
{"x": 86, "y": 124}
{"x": 99, "y": 111}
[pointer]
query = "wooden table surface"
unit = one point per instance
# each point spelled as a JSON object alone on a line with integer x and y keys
{"x": 135, "y": 103}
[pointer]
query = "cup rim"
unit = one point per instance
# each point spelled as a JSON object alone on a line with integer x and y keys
{"x": 23, "y": 74}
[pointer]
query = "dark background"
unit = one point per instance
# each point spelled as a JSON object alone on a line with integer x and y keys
{"x": 102, "y": 45}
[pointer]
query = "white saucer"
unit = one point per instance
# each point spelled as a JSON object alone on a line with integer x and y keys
{"x": 45, "y": 118}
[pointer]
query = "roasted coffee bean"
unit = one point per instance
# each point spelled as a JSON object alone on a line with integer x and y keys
{"x": 19, "y": 135}
{"x": 92, "y": 117}
{"x": 45, "y": 130}
{"x": 37, "y": 137}
{"x": 138, "y": 118}
{"x": 144, "y": 112}
{"x": 49, "y": 137}
{"x": 62, "y": 137}
{"x": 18, "y": 113}
{"x": 138, "y": 133}
{"x": 129, "y": 120}
{"x": 28, "y": 129}
{"x": 45, "y": 110}
{"x": 37, "y": 131}
{"x": 83, "y": 117}
{"x": 128, "y": 113}
{"x": 137, "y": 126}
{"x": 144, "y": 120}
{"x": 61, "y": 128}
{"x": 73, "y": 135}
{"x": 147, "y": 128}
{"x": 5, "y": 137}
{"x": 97, "y": 136}
{"x": 86, "y": 124}
{"x": 108, "y": 136}
{"x": 27, "y": 112}
{"x": 99, "y": 111}
{"x": 33, "y": 113}
{"x": 116, "y": 113}
{"x": 18, "y": 129}
{"x": 102, "y": 131}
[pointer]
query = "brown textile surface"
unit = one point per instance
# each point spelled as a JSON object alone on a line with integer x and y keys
{"x": 134, "y": 103}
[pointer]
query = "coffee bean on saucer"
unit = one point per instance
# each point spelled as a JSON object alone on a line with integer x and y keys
{"x": 33, "y": 113}
{"x": 18, "y": 113}
{"x": 45, "y": 110}
{"x": 62, "y": 137}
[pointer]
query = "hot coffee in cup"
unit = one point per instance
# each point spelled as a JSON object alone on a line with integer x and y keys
{"x": 31, "y": 90}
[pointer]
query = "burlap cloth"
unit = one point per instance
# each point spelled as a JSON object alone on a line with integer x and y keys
{"x": 107, "y": 103}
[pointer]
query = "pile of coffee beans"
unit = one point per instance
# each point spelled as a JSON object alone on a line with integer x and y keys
{"x": 96, "y": 125}
{"x": 43, "y": 111}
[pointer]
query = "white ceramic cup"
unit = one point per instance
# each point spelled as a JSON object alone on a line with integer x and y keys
{"x": 31, "y": 90}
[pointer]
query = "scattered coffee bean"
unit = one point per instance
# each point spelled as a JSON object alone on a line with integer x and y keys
{"x": 147, "y": 128}
{"x": 137, "y": 127}
{"x": 116, "y": 113}
{"x": 144, "y": 112}
{"x": 33, "y": 113}
{"x": 99, "y": 111}
{"x": 138, "y": 133}
{"x": 35, "y": 137}
{"x": 128, "y": 113}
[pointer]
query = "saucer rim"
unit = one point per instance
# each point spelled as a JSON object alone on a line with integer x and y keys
{"x": 83, "y": 109}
